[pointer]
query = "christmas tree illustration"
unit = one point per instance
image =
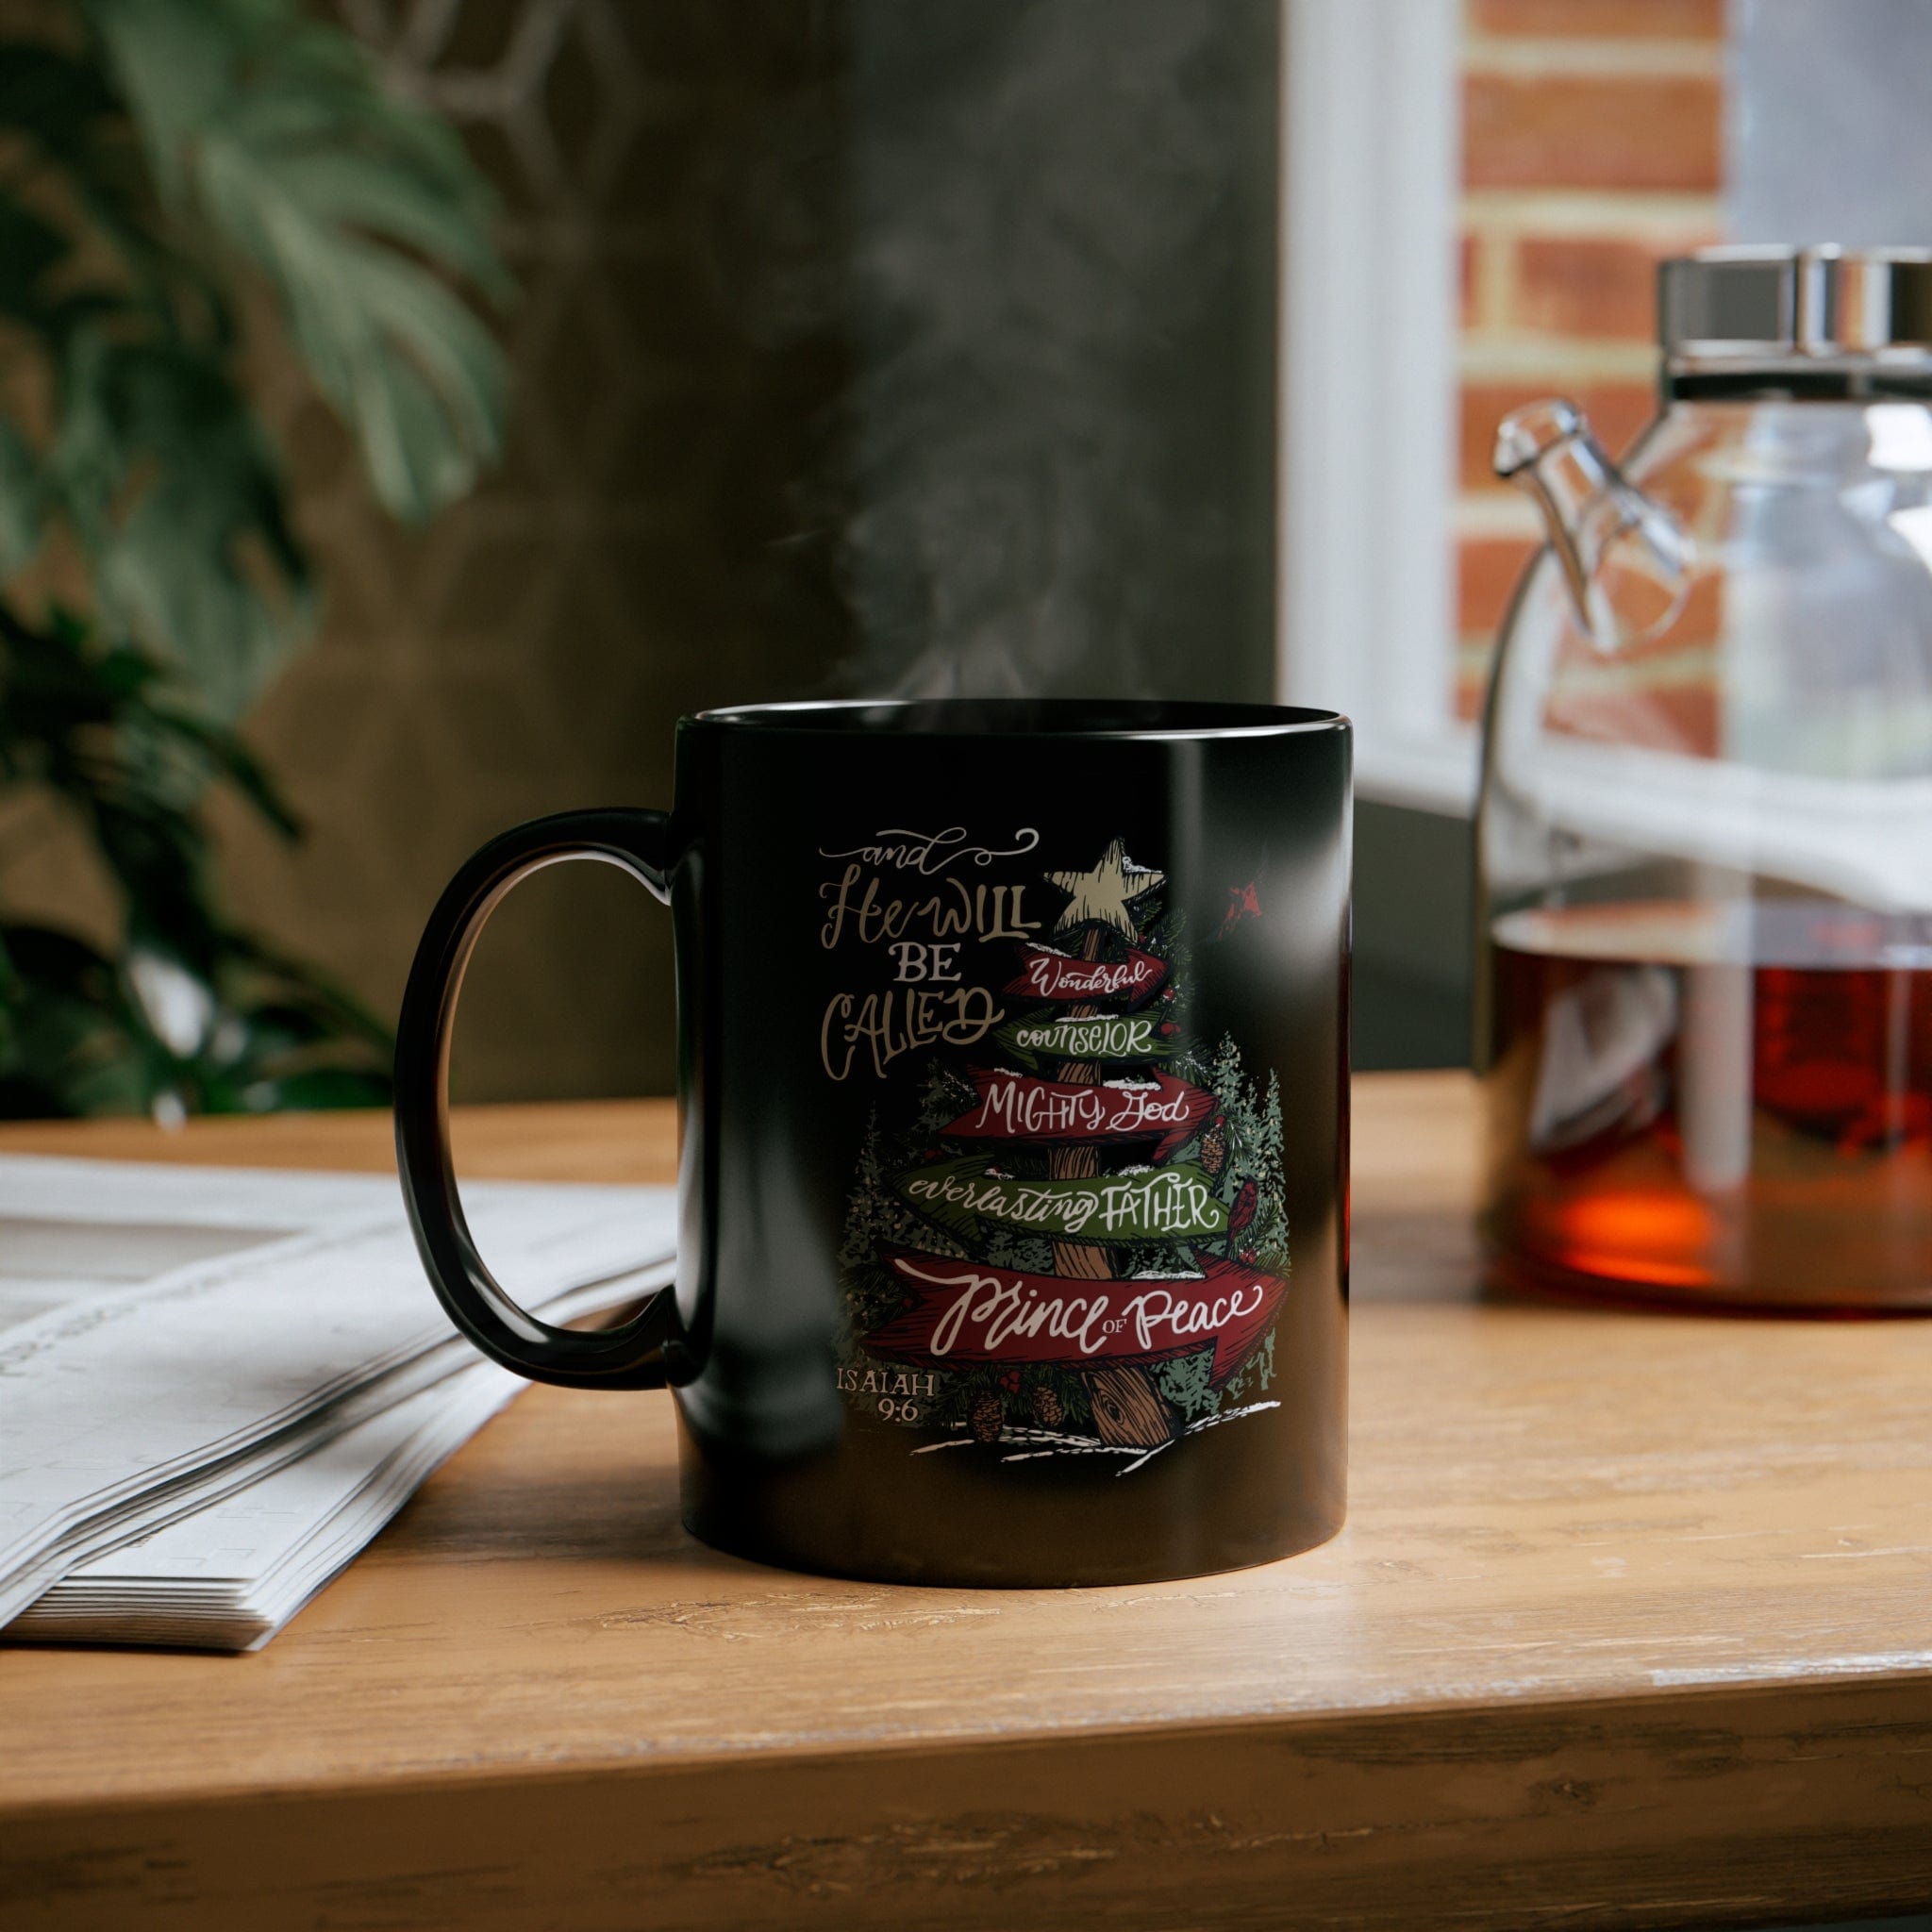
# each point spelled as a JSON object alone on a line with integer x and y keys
{"x": 1082, "y": 1248}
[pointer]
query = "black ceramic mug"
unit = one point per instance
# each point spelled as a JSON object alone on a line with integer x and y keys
{"x": 1013, "y": 1086}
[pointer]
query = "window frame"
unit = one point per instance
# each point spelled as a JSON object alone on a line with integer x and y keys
{"x": 1370, "y": 171}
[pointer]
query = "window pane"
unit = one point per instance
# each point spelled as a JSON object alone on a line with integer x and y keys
{"x": 1592, "y": 147}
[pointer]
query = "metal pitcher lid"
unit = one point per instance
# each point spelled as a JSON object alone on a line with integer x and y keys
{"x": 1778, "y": 303}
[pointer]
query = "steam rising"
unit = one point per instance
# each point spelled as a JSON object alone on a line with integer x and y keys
{"x": 1061, "y": 415}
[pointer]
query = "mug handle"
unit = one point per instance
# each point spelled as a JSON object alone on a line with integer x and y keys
{"x": 629, "y": 1356}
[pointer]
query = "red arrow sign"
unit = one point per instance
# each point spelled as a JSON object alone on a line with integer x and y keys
{"x": 1046, "y": 975}
{"x": 1019, "y": 1106}
{"x": 965, "y": 1313}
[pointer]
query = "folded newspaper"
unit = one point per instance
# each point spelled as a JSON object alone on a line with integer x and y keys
{"x": 217, "y": 1384}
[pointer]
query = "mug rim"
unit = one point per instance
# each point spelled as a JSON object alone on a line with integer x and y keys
{"x": 1050, "y": 718}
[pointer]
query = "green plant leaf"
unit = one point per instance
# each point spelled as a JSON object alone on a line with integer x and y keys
{"x": 352, "y": 189}
{"x": 179, "y": 503}
{"x": 23, "y": 500}
{"x": 419, "y": 378}
{"x": 29, "y": 249}
{"x": 174, "y": 65}
{"x": 351, "y": 202}
{"x": 314, "y": 1088}
{"x": 52, "y": 98}
{"x": 230, "y": 758}
{"x": 67, "y": 1047}
{"x": 155, "y": 160}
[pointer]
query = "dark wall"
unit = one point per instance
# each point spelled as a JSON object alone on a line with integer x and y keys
{"x": 1063, "y": 267}
{"x": 864, "y": 344}
{"x": 671, "y": 183}
{"x": 1412, "y": 906}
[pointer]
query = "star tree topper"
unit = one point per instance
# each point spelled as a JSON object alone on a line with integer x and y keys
{"x": 1102, "y": 895}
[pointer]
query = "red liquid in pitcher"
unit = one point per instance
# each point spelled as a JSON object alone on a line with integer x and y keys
{"x": 1717, "y": 1104}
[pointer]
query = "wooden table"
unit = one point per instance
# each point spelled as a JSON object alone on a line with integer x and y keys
{"x": 1631, "y": 1626}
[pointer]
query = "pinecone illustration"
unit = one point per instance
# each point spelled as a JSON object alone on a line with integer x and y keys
{"x": 986, "y": 1416}
{"x": 1214, "y": 1148}
{"x": 1049, "y": 1411}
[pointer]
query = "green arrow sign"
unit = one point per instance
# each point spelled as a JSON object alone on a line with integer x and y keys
{"x": 1107, "y": 1037}
{"x": 1156, "y": 1204}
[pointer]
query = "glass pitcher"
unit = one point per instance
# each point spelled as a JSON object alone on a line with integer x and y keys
{"x": 1704, "y": 836}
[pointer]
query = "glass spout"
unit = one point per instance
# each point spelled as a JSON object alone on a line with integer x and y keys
{"x": 1626, "y": 560}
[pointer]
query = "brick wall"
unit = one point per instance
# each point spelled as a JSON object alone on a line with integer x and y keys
{"x": 1591, "y": 148}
